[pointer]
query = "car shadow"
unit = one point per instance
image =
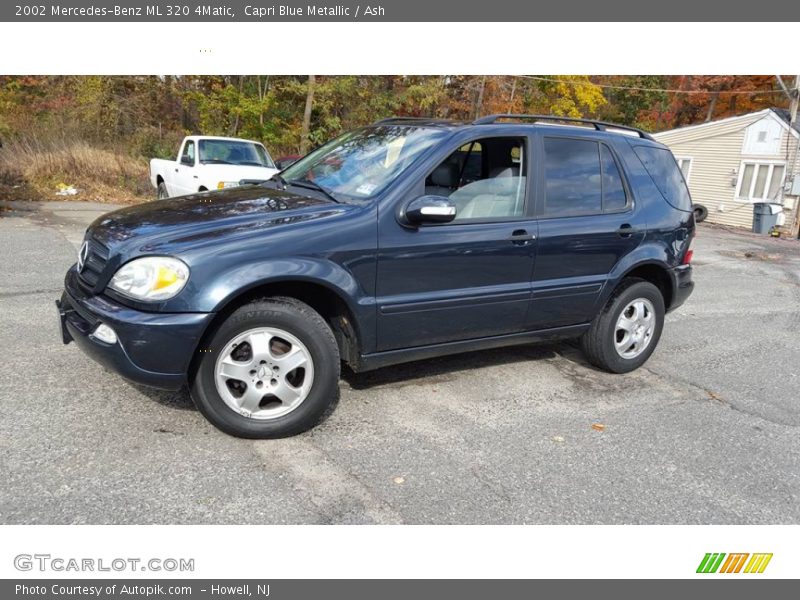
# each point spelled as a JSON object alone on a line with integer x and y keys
{"x": 178, "y": 399}
{"x": 443, "y": 368}
{"x": 447, "y": 367}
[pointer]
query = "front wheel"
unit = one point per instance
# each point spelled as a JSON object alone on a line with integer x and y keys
{"x": 624, "y": 335}
{"x": 270, "y": 370}
{"x": 162, "y": 191}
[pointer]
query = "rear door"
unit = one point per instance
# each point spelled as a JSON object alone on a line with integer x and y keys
{"x": 587, "y": 222}
{"x": 469, "y": 278}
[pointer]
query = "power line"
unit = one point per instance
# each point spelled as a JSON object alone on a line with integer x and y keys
{"x": 645, "y": 89}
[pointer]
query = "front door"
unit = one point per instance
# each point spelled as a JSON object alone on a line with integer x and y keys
{"x": 470, "y": 278}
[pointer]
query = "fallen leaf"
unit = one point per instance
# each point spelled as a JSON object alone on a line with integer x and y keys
{"x": 399, "y": 480}
{"x": 558, "y": 438}
{"x": 598, "y": 427}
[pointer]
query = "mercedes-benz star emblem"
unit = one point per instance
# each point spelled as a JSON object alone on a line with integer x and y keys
{"x": 82, "y": 254}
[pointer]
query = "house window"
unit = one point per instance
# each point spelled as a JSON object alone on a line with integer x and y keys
{"x": 685, "y": 163}
{"x": 760, "y": 181}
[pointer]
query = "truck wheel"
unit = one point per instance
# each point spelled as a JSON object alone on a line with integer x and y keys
{"x": 270, "y": 370}
{"x": 162, "y": 191}
{"x": 624, "y": 335}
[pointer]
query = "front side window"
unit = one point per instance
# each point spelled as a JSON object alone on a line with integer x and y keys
{"x": 234, "y": 152}
{"x": 760, "y": 181}
{"x": 362, "y": 163}
{"x": 188, "y": 152}
{"x": 484, "y": 179}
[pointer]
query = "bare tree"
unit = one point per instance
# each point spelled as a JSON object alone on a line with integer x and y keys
{"x": 312, "y": 80}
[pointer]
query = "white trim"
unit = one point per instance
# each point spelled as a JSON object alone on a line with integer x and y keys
{"x": 764, "y": 113}
{"x": 710, "y": 123}
{"x": 767, "y": 183}
{"x": 688, "y": 175}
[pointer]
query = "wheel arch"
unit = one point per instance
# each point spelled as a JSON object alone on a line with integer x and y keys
{"x": 329, "y": 301}
{"x": 655, "y": 273}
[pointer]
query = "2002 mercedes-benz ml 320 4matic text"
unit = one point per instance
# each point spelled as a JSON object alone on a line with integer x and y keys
{"x": 401, "y": 241}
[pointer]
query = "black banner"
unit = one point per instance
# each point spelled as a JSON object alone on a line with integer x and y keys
{"x": 732, "y": 588}
{"x": 401, "y": 10}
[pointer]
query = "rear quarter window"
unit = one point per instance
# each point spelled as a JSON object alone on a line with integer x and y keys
{"x": 666, "y": 174}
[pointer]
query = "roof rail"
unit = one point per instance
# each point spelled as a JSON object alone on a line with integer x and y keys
{"x": 413, "y": 120}
{"x": 598, "y": 125}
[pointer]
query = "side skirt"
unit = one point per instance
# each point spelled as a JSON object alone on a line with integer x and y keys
{"x": 369, "y": 362}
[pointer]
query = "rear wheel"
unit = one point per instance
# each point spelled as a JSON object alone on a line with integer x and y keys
{"x": 624, "y": 335}
{"x": 162, "y": 191}
{"x": 271, "y": 370}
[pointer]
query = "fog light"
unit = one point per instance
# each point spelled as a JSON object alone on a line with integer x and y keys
{"x": 104, "y": 333}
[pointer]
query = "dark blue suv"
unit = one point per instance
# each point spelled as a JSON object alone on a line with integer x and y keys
{"x": 405, "y": 240}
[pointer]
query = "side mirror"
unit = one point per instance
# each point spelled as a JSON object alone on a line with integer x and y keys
{"x": 430, "y": 209}
{"x": 187, "y": 161}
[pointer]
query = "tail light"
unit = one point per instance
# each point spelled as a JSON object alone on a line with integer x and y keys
{"x": 687, "y": 258}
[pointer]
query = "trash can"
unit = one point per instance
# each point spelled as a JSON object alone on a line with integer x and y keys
{"x": 765, "y": 216}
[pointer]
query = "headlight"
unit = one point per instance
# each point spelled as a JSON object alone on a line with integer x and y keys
{"x": 227, "y": 184}
{"x": 151, "y": 278}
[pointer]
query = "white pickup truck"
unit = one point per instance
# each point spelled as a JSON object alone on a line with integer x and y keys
{"x": 210, "y": 163}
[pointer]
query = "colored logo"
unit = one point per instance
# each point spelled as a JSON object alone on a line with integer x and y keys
{"x": 741, "y": 562}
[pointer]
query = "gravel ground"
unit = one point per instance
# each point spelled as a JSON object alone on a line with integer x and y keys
{"x": 706, "y": 432}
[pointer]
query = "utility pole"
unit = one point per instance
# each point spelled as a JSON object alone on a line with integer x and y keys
{"x": 795, "y": 99}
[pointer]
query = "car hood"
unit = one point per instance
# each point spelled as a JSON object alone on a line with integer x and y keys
{"x": 203, "y": 217}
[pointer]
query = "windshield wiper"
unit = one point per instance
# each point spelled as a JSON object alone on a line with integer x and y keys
{"x": 279, "y": 179}
{"x": 310, "y": 185}
{"x": 216, "y": 161}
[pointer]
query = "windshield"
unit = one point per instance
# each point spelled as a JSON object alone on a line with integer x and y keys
{"x": 362, "y": 163}
{"x": 230, "y": 152}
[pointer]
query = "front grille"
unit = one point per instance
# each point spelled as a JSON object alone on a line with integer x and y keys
{"x": 94, "y": 264}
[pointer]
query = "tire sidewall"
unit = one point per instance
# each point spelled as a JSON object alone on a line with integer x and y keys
{"x": 321, "y": 346}
{"x": 641, "y": 289}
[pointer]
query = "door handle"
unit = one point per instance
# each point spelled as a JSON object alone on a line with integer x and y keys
{"x": 626, "y": 230}
{"x": 520, "y": 237}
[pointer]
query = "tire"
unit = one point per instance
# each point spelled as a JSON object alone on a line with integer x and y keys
{"x": 162, "y": 191}
{"x": 700, "y": 213}
{"x": 273, "y": 323}
{"x": 600, "y": 342}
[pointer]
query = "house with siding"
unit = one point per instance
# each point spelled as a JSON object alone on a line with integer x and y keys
{"x": 732, "y": 163}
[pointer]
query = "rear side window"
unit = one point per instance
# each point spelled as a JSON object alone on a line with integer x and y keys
{"x": 582, "y": 177}
{"x": 572, "y": 177}
{"x": 614, "y": 197}
{"x": 666, "y": 174}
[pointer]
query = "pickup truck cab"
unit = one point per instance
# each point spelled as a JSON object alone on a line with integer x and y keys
{"x": 400, "y": 241}
{"x": 210, "y": 163}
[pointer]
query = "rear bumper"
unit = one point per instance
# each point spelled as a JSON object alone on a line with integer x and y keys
{"x": 682, "y": 285}
{"x": 153, "y": 349}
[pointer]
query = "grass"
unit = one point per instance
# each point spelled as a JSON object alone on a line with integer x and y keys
{"x": 33, "y": 169}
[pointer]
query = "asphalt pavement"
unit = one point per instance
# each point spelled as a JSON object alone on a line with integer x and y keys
{"x": 708, "y": 431}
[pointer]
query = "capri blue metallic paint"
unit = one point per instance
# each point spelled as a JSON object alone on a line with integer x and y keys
{"x": 412, "y": 292}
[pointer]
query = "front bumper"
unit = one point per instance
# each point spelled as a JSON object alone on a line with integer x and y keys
{"x": 153, "y": 349}
{"x": 682, "y": 285}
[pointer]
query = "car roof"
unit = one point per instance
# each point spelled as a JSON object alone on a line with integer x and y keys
{"x": 538, "y": 121}
{"x": 220, "y": 138}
